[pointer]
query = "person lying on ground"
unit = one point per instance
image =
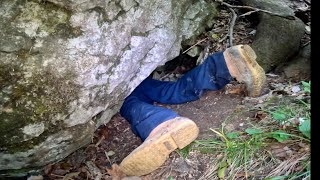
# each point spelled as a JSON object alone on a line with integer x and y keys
{"x": 161, "y": 129}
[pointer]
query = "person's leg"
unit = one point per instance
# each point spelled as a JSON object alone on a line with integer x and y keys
{"x": 217, "y": 70}
{"x": 162, "y": 131}
{"x": 144, "y": 117}
{"x": 213, "y": 74}
{"x": 170, "y": 133}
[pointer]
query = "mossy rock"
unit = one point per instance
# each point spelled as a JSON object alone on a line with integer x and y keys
{"x": 66, "y": 67}
{"x": 277, "y": 38}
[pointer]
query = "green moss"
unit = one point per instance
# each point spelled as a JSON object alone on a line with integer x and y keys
{"x": 47, "y": 16}
{"x": 103, "y": 15}
{"x": 144, "y": 34}
{"x": 66, "y": 31}
{"x": 27, "y": 100}
{"x": 29, "y": 144}
{"x": 50, "y": 19}
{"x": 17, "y": 173}
{"x": 31, "y": 100}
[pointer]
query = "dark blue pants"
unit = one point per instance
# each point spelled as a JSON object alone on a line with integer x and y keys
{"x": 143, "y": 116}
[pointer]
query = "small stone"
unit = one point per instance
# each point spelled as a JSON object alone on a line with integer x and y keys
{"x": 39, "y": 177}
{"x": 110, "y": 153}
{"x": 253, "y": 32}
{"x": 156, "y": 75}
{"x": 194, "y": 51}
{"x": 181, "y": 165}
{"x": 241, "y": 124}
{"x": 229, "y": 127}
{"x": 295, "y": 89}
{"x": 289, "y": 153}
{"x": 286, "y": 148}
{"x": 179, "y": 76}
{"x": 308, "y": 29}
{"x": 301, "y": 120}
{"x": 302, "y": 144}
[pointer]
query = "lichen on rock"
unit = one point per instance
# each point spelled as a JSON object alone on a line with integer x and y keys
{"x": 66, "y": 67}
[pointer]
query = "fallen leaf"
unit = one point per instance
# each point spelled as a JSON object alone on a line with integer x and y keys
{"x": 115, "y": 172}
{"x": 70, "y": 176}
{"x": 48, "y": 169}
{"x": 221, "y": 172}
{"x": 278, "y": 116}
{"x": 233, "y": 135}
{"x": 237, "y": 89}
{"x": 253, "y": 131}
{"x": 215, "y": 36}
{"x": 104, "y": 132}
{"x": 60, "y": 172}
{"x": 281, "y": 150}
{"x": 260, "y": 115}
{"x": 305, "y": 127}
{"x": 280, "y": 135}
{"x": 110, "y": 153}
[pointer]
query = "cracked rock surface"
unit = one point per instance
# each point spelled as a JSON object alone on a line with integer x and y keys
{"x": 66, "y": 66}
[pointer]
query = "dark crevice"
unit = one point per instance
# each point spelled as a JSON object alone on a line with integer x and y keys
{"x": 304, "y": 16}
{"x": 181, "y": 64}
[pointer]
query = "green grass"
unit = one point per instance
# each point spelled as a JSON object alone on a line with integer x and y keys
{"x": 294, "y": 113}
{"x": 185, "y": 151}
{"x": 246, "y": 152}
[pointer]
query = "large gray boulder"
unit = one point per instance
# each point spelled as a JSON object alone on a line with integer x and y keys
{"x": 277, "y": 38}
{"x": 299, "y": 68}
{"x": 66, "y": 66}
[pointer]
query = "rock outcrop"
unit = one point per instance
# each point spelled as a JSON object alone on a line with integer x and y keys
{"x": 277, "y": 38}
{"x": 66, "y": 66}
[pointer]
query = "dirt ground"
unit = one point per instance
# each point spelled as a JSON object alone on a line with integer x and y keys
{"x": 210, "y": 111}
{"x": 115, "y": 141}
{"x": 112, "y": 142}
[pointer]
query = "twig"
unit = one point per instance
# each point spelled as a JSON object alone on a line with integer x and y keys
{"x": 195, "y": 45}
{"x": 305, "y": 44}
{"x": 307, "y": 2}
{"x": 234, "y": 17}
{"x": 56, "y": 175}
{"x": 233, "y": 21}
{"x": 248, "y": 13}
{"x": 224, "y": 38}
{"x": 258, "y": 10}
{"x": 206, "y": 52}
{"x": 98, "y": 143}
{"x": 108, "y": 157}
{"x": 94, "y": 170}
{"x": 165, "y": 76}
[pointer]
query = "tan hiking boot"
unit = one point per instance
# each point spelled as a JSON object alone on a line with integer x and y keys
{"x": 242, "y": 65}
{"x": 153, "y": 152}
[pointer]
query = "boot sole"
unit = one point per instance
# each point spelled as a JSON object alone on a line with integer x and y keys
{"x": 244, "y": 59}
{"x": 152, "y": 153}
